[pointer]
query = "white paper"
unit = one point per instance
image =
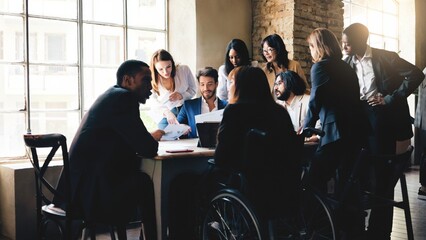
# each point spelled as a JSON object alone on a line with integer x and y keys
{"x": 214, "y": 116}
{"x": 174, "y": 131}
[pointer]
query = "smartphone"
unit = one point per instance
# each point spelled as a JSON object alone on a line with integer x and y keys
{"x": 179, "y": 150}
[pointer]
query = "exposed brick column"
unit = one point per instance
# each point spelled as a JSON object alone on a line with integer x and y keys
{"x": 294, "y": 20}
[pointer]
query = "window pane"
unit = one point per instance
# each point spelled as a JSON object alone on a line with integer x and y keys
{"x": 58, "y": 8}
{"x": 96, "y": 82}
{"x": 53, "y": 87}
{"x": 391, "y": 26}
{"x": 56, "y": 41}
{"x": 110, "y": 11}
{"x": 376, "y": 41}
{"x": 100, "y": 45}
{"x": 390, "y": 6}
{"x": 12, "y": 42}
{"x": 146, "y": 13}
{"x": 359, "y": 14}
{"x": 65, "y": 123}
{"x": 12, "y": 127}
{"x": 143, "y": 44}
{"x": 12, "y": 6}
{"x": 375, "y": 4}
{"x": 375, "y": 24}
{"x": 391, "y": 44}
{"x": 360, "y": 2}
{"x": 12, "y": 87}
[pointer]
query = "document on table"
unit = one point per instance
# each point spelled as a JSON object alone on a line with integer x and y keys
{"x": 174, "y": 131}
{"x": 214, "y": 116}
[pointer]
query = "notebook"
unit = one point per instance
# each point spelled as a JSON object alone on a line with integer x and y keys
{"x": 207, "y": 134}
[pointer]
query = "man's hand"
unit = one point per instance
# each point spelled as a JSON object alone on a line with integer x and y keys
{"x": 376, "y": 100}
{"x": 171, "y": 118}
{"x": 157, "y": 134}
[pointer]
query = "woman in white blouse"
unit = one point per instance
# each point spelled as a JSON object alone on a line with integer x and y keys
{"x": 171, "y": 86}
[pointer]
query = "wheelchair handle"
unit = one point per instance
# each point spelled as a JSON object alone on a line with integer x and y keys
{"x": 309, "y": 131}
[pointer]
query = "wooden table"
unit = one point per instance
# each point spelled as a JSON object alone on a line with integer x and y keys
{"x": 166, "y": 166}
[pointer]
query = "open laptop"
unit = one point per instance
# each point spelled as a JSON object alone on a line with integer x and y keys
{"x": 207, "y": 134}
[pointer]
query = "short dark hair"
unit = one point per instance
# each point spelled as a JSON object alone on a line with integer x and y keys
{"x": 241, "y": 48}
{"x": 293, "y": 82}
{"x": 129, "y": 67}
{"x": 357, "y": 32}
{"x": 207, "y": 72}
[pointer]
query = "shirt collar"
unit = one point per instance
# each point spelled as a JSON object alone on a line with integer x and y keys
{"x": 367, "y": 55}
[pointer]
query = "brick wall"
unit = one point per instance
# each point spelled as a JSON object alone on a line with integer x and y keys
{"x": 293, "y": 20}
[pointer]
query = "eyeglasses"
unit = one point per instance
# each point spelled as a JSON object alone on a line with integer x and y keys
{"x": 279, "y": 82}
{"x": 268, "y": 50}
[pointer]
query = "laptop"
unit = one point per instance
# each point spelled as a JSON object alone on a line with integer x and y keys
{"x": 207, "y": 134}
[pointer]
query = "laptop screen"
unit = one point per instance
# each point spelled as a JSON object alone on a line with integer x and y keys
{"x": 207, "y": 134}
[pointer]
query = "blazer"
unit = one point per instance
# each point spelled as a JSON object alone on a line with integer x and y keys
{"x": 396, "y": 79}
{"x": 335, "y": 101}
{"x": 275, "y": 176}
{"x": 191, "y": 108}
{"x": 103, "y": 157}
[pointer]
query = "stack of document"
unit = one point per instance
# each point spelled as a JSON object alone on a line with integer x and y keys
{"x": 214, "y": 116}
{"x": 174, "y": 131}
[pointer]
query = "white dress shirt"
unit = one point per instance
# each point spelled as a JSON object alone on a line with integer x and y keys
{"x": 205, "y": 106}
{"x": 365, "y": 72}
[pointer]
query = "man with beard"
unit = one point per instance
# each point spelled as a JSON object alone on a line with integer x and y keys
{"x": 292, "y": 93}
{"x": 208, "y": 102}
{"x": 107, "y": 185}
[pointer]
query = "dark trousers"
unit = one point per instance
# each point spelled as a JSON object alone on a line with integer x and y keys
{"x": 379, "y": 179}
{"x": 339, "y": 156}
{"x": 146, "y": 204}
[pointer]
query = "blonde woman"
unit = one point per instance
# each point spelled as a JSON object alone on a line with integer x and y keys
{"x": 171, "y": 85}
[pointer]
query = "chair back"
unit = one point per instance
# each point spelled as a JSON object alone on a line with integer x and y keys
{"x": 45, "y": 187}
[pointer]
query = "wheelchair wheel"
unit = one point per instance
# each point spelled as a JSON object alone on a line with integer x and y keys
{"x": 316, "y": 219}
{"x": 229, "y": 216}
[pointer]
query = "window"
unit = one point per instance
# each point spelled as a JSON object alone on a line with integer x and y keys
{"x": 68, "y": 67}
{"x": 381, "y": 18}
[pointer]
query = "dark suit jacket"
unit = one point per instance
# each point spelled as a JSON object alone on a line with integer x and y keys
{"x": 335, "y": 101}
{"x": 420, "y": 119}
{"x": 274, "y": 176}
{"x": 103, "y": 157}
{"x": 396, "y": 79}
{"x": 191, "y": 108}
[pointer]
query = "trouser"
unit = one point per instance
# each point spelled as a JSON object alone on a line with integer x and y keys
{"x": 340, "y": 156}
{"x": 379, "y": 180}
{"x": 146, "y": 202}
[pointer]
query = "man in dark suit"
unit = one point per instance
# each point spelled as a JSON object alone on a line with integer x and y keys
{"x": 385, "y": 81}
{"x": 420, "y": 123}
{"x": 208, "y": 102}
{"x": 106, "y": 182}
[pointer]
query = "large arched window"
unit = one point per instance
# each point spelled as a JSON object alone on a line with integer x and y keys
{"x": 57, "y": 56}
{"x": 380, "y": 16}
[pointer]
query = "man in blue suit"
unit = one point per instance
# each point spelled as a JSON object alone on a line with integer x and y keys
{"x": 208, "y": 102}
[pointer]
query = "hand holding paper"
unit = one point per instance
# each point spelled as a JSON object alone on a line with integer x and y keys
{"x": 174, "y": 131}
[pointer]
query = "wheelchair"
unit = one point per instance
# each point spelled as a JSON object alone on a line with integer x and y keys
{"x": 228, "y": 213}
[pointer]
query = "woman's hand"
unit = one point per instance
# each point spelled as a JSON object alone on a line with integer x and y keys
{"x": 171, "y": 118}
{"x": 175, "y": 96}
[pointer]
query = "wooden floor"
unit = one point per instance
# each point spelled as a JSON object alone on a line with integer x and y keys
{"x": 418, "y": 213}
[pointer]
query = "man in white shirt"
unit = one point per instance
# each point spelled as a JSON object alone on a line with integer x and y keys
{"x": 291, "y": 92}
{"x": 385, "y": 81}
